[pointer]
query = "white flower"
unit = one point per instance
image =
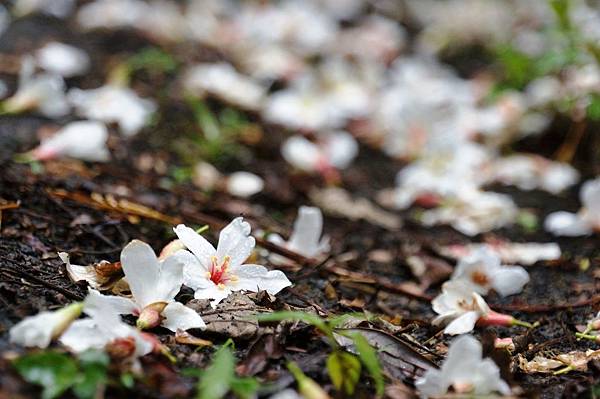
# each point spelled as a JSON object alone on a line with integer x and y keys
{"x": 333, "y": 151}
{"x": 62, "y": 59}
{"x": 459, "y": 307}
{"x": 584, "y": 222}
{"x": 41, "y": 329}
{"x": 526, "y": 253}
{"x": 473, "y": 212}
{"x": 482, "y": 269}
{"x": 306, "y": 235}
{"x": 104, "y": 327}
{"x": 528, "y": 172}
{"x": 224, "y": 82}
{"x": 44, "y": 92}
{"x": 465, "y": 371}
{"x": 215, "y": 273}
{"x": 57, "y": 8}
{"x": 111, "y": 13}
{"x": 113, "y": 104}
{"x": 4, "y": 20}
{"x": 85, "y": 140}
{"x": 153, "y": 285}
{"x": 244, "y": 184}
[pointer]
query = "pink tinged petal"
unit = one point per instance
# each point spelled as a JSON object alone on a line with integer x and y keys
{"x": 83, "y": 335}
{"x": 256, "y": 277}
{"x": 510, "y": 280}
{"x": 216, "y": 293}
{"x": 200, "y": 247}
{"x": 180, "y": 317}
{"x": 141, "y": 269}
{"x": 566, "y": 224}
{"x": 235, "y": 242}
{"x": 462, "y": 324}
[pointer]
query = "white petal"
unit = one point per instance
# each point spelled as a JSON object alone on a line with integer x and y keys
{"x": 487, "y": 379}
{"x": 462, "y": 324}
{"x": 432, "y": 384}
{"x": 510, "y": 280}
{"x": 302, "y": 154}
{"x": 244, "y": 184}
{"x": 101, "y": 306}
{"x": 590, "y": 197}
{"x": 170, "y": 279}
{"x": 194, "y": 273}
{"x": 464, "y": 351}
{"x": 200, "y": 247}
{"x": 256, "y": 277}
{"x": 83, "y": 335}
{"x": 235, "y": 241}
{"x": 178, "y": 316}
{"x": 566, "y": 224}
{"x": 216, "y": 293}
{"x": 141, "y": 269}
{"x": 341, "y": 148}
{"x": 308, "y": 227}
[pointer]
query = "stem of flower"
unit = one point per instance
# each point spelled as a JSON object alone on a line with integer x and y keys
{"x": 517, "y": 322}
{"x": 588, "y": 336}
{"x": 564, "y": 370}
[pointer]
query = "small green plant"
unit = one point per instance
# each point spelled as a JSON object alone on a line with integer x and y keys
{"x": 58, "y": 372}
{"x": 219, "y": 378}
{"x": 344, "y": 368}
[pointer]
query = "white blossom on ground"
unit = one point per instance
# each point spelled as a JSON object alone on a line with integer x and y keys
{"x": 39, "y": 330}
{"x": 56, "y": 8}
{"x": 62, "y": 59}
{"x": 153, "y": 286}
{"x": 44, "y": 92}
{"x": 215, "y": 273}
{"x": 458, "y": 307}
{"x": 332, "y": 151}
{"x": 483, "y": 271}
{"x": 584, "y": 222}
{"x": 473, "y": 212}
{"x": 306, "y": 238}
{"x": 104, "y": 327}
{"x": 244, "y": 184}
{"x": 528, "y": 172}
{"x": 113, "y": 104}
{"x": 224, "y": 82}
{"x": 85, "y": 140}
{"x": 465, "y": 371}
{"x": 526, "y": 253}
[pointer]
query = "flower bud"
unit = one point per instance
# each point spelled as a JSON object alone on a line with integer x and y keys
{"x": 121, "y": 348}
{"x": 170, "y": 249}
{"x": 150, "y": 316}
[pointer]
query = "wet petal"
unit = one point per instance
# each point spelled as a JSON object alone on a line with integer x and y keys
{"x": 200, "y": 247}
{"x": 235, "y": 241}
{"x": 256, "y": 277}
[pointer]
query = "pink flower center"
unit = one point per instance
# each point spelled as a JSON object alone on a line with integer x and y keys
{"x": 219, "y": 274}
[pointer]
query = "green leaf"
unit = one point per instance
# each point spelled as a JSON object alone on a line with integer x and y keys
{"x": 304, "y": 317}
{"x": 55, "y": 372}
{"x": 152, "y": 59}
{"x": 245, "y": 388}
{"x": 218, "y": 377}
{"x": 368, "y": 357}
{"x": 344, "y": 370}
{"x": 127, "y": 380}
{"x": 93, "y": 374}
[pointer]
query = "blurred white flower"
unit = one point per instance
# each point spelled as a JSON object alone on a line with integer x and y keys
{"x": 529, "y": 171}
{"x": 335, "y": 150}
{"x": 216, "y": 273}
{"x": 224, "y": 82}
{"x": 85, "y": 140}
{"x": 39, "y": 330}
{"x": 103, "y": 328}
{"x": 112, "y": 104}
{"x": 244, "y": 184}
{"x": 62, "y": 59}
{"x": 153, "y": 285}
{"x": 306, "y": 238}
{"x": 4, "y": 20}
{"x": 458, "y": 307}
{"x": 584, "y": 222}
{"x": 374, "y": 38}
{"x": 57, "y": 8}
{"x": 465, "y": 371}
{"x": 473, "y": 212}
{"x": 111, "y": 13}
{"x": 206, "y": 176}
{"x": 526, "y": 253}
{"x": 442, "y": 174}
{"x": 43, "y": 91}
{"x": 484, "y": 271}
